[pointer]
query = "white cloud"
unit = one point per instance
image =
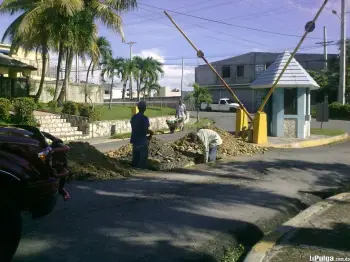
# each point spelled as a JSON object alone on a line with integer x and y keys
{"x": 172, "y": 73}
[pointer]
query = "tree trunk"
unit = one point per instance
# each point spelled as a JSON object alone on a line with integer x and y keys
{"x": 86, "y": 82}
{"x": 130, "y": 89}
{"x": 60, "y": 56}
{"x": 111, "y": 95}
{"x": 197, "y": 114}
{"x": 69, "y": 61}
{"x": 43, "y": 70}
{"x": 138, "y": 86}
{"x": 124, "y": 89}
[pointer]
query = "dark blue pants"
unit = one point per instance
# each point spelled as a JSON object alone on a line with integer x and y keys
{"x": 212, "y": 154}
{"x": 140, "y": 156}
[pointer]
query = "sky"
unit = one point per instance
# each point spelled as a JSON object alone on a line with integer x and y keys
{"x": 246, "y": 26}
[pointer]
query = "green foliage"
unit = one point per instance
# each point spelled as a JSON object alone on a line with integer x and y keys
{"x": 92, "y": 113}
{"x": 53, "y": 105}
{"x": 40, "y": 105}
{"x": 70, "y": 108}
{"x": 5, "y": 107}
{"x": 339, "y": 111}
{"x": 233, "y": 255}
{"x": 23, "y": 108}
{"x": 199, "y": 95}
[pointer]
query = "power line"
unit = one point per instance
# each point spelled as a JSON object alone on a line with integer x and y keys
{"x": 177, "y": 8}
{"x": 240, "y": 17}
{"x": 193, "y": 10}
{"x": 229, "y": 24}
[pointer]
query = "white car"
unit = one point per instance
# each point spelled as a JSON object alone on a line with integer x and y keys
{"x": 224, "y": 104}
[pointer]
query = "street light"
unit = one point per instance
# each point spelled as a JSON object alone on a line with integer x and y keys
{"x": 336, "y": 13}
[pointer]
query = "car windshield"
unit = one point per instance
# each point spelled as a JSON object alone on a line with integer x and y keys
{"x": 230, "y": 101}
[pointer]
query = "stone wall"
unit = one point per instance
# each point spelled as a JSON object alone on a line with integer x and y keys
{"x": 78, "y": 121}
{"x": 104, "y": 128}
{"x": 290, "y": 127}
{"x": 75, "y": 91}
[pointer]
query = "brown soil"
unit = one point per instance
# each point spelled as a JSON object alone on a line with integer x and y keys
{"x": 161, "y": 154}
{"x": 231, "y": 146}
{"x": 85, "y": 162}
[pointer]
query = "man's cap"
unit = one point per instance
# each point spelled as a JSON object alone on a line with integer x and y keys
{"x": 141, "y": 104}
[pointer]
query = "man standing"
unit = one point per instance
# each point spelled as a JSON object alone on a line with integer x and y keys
{"x": 181, "y": 114}
{"x": 139, "y": 131}
{"x": 211, "y": 141}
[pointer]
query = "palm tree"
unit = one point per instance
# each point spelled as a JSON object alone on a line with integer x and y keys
{"x": 146, "y": 71}
{"x": 108, "y": 12}
{"x": 33, "y": 29}
{"x": 199, "y": 95}
{"x": 149, "y": 87}
{"x": 111, "y": 68}
{"x": 104, "y": 54}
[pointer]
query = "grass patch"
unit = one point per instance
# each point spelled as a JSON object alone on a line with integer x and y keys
{"x": 327, "y": 132}
{"x": 201, "y": 124}
{"x": 233, "y": 255}
{"x": 121, "y": 112}
{"x": 121, "y": 136}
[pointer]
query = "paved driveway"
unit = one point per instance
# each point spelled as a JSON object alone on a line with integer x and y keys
{"x": 179, "y": 216}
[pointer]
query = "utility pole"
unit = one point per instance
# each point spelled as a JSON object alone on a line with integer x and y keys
{"x": 182, "y": 75}
{"x": 130, "y": 80}
{"x": 325, "y": 43}
{"x": 130, "y": 44}
{"x": 76, "y": 68}
{"x": 342, "y": 78}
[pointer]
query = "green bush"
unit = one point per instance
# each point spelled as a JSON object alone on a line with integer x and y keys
{"x": 70, "y": 108}
{"x": 339, "y": 111}
{"x": 5, "y": 107}
{"x": 92, "y": 113}
{"x": 52, "y": 105}
{"x": 23, "y": 108}
{"x": 40, "y": 105}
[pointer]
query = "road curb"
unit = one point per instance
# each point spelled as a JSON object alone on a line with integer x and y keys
{"x": 262, "y": 248}
{"x": 310, "y": 143}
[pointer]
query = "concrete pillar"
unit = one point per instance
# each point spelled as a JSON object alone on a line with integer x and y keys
{"x": 278, "y": 113}
{"x": 301, "y": 105}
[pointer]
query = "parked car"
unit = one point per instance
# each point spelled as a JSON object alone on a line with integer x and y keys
{"x": 32, "y": 174}
{"x": 224, "y": 104}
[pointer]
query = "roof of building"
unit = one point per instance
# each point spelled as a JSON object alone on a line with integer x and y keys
{"x": 315, "y": 56}
{"x": 8, "y": 61}
{"x": 294, "y": 76}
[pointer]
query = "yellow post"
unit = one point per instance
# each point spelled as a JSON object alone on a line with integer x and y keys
{"x": 134, "y": 110}
{"x": 241, "y": 121}
{"x": 260, "y": 128}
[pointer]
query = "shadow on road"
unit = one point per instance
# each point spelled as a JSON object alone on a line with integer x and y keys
{"x": 166, "y": 218}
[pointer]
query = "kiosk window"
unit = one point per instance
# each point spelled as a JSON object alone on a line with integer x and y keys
{"x": 290, "y": 101}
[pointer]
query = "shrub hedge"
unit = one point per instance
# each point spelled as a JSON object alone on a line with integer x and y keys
{"x": 23, "y": 108}
{"x": 92, "y": 113}
{"x": 5, "y": 107}
{"x": 339, "y": 111}
{"x": 70, "y": 108}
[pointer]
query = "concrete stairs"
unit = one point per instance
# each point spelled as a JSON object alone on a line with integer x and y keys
{"x": 59, "y": 127}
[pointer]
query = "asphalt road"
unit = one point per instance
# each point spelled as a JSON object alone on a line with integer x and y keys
{"x": 177, "y": 216}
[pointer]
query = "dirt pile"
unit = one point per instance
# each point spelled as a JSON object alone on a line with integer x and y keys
{"x": 85, "y": 162}
{"x": 231, "y": 146}
{"x": 161, "y": 155}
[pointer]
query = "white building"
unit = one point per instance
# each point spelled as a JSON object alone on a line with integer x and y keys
{"x": 167, "y": 92}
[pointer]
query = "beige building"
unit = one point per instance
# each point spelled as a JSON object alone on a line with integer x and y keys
{"x": 30, "y": 58}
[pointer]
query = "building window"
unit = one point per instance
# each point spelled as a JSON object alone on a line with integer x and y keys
{"x": 290, "y": 101}
{"x": 240, "y": 71}
{"x": 226, "y": 72}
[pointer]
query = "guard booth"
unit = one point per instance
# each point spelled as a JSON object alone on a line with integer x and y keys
{"x": 289, "y": 109}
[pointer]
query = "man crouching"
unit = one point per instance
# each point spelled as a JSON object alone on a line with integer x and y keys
{"x": 211, "y": 142}
{"x": 139, "y": 131}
